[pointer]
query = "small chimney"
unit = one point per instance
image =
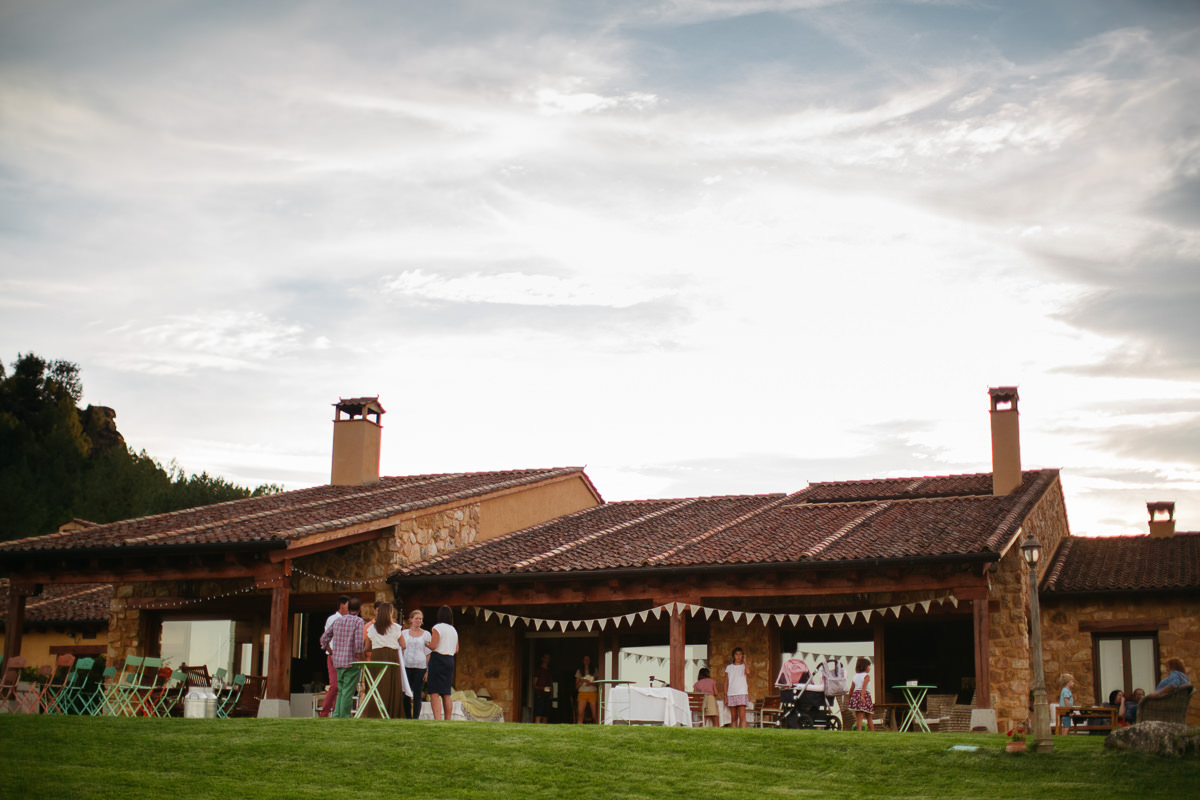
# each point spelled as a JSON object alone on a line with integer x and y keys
{"x": 1006, "y": 440}
{"x": 356, "y": 441}
{"x": 1161, "y": 528}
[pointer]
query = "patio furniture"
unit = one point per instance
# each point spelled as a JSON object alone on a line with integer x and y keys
{"x": 228, "y": 698}
{"x": 48, "y": 700}
{"x": 1170, "y": 706}
{"x": 71, "y": 699}
{"x": 372, "y": 674}
{"x": 767, "y": 712}
{"x": 1084, "y": 719}
{"x": 9, "y": 681}
{"x": 914, "y": 694}
{"x": 696, "y": 705}
{"x": 937, "y": 710}
{"x": 197, "y": 676}
{"x": 250, "y": 697}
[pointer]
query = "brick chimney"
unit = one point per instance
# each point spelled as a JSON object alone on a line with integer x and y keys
{"x": 1006, "y": 440}
{"x": 1161, "y": 528}
{"x": 356, "y": 441}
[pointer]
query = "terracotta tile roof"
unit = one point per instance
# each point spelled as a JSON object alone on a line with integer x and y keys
{"x": 759, "y": 529}
{"x": 1125, "y": 564}
{"x": 62, "y": 603}
{"x": 274, "y": 520}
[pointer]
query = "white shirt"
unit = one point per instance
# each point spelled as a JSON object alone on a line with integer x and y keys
{"x": 390, "y": 639}
{"x": 416, "y": 649}
{"x": 447, "y": 639}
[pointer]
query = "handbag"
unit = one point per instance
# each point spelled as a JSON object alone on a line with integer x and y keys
{"x": 835, "y": 680}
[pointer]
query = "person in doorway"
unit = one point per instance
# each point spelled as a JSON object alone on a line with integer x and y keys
{"x": 587, "y": 691}
{"x": 444, "y": 644}
{"x": 344, "y": 640}
{"x": 383, "y": 638}
{"x": 331, "y": 675}
{"x": 543, "y": 691}
{"x": 706, "y": 686}
{"x": 737, "y": 688}
{"x": 860, "y": 696}
{"x": 414, "y": 641}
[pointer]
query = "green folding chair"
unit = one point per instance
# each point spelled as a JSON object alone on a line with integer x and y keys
{"x": 71, "y": 697}
{"x": 96, "y": 700}
{"x": 228, "y": 699}
{"x": 118, "y": 694}
{"x": 143, "y": 697}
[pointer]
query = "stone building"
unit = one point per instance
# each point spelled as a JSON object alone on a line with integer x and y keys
{"x": 926, "y": 572}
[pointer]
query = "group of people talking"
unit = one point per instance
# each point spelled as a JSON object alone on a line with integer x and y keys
{"x": 427, "y": 658}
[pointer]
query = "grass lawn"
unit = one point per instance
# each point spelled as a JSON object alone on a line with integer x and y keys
{"x": 84, "y": 757}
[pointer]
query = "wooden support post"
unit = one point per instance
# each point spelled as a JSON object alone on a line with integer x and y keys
{"x": 279, "y": 659}
{"x": 15, "y": 622}
{"x": 678, "y": 649}
{"x": 983, "y": 687}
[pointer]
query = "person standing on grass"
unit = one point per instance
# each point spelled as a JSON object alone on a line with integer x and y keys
{"x": 383, "y": 640}
{"x": 415, "y": 641}
{"x": 737, "y": 688}
{"x": 344, "y": 640}
{"x": 444, "y": 643}
{"x": 331, "y": 671}
{"x": 860, "y": 696}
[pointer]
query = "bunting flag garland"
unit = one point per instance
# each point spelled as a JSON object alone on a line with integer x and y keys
{"x": 827, "y": 620}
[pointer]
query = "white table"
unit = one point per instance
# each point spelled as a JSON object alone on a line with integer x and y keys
{"x": 647, "y": 705}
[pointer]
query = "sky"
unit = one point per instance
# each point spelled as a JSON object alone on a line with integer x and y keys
{"x": 700, "y": 247}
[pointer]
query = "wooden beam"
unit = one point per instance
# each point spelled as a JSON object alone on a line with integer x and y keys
{"x": 279, "y": 658}
{"x": 1105, "y": 626}
{"x": 983, "y": 685}
{"x": 677, "y": 649}
{"x": 310, "y": 548}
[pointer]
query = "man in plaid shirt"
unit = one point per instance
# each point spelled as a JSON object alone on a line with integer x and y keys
{"x": 344, "y": 640}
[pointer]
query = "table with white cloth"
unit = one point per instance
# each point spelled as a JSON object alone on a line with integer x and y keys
{"x": 647, "y": 706}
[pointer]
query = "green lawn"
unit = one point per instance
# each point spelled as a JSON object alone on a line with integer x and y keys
{"x": 72, "y": 757}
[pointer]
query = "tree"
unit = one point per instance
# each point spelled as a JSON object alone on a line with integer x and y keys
{"x": 59, "y": 462}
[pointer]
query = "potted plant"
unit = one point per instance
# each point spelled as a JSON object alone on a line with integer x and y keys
{"x": 1016, "y": 739}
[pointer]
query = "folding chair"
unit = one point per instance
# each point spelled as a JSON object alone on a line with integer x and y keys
{"x": 71, "y": 698}
{"x": 118, "y": 694}
{"x": 48, "y": 700}
{"x": 95, "y": 703}
{"x": 228, "y": 699}
{"x": 142, "y": 697}
{"x": 8, "y": 683}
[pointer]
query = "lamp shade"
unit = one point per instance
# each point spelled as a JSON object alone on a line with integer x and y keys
{"x": 1031, "y": 550}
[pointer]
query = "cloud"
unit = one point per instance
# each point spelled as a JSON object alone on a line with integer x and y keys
{"x": 223, "y": 340}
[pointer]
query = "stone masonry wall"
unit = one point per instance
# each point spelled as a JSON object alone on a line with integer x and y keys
{"x": 1010, "y": 661}
{"x": 1067, "y": 649}
{"x": 757, "y": 643}
{"x": 487, "y": 660}
{"x": 359, "y": 568}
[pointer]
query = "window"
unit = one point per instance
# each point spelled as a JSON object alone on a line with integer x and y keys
{"x": 1124, "y": 661}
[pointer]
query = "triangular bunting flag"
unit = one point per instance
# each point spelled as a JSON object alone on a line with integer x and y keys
{"x": 487, "y": 614}
{"x": 794, "y": 618}
{"x": 925, "y": 605}
{"x": 811, "y": 619}
{"x": 643, "y": 615}
{"x": 838, "y": 618}
{"x": 825, "y": 619}
{"x": 911, "y": 606}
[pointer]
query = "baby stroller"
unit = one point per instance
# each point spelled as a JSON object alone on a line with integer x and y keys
{"x": 801, "y": 705}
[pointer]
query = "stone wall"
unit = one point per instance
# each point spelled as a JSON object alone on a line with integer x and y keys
{"x": 359, "y": 568}
{"x": 1010, "y": 662}
{"x": 488, "y": 659}
{"x": 1065, "y": 648}
{"x": 759, "y": 645}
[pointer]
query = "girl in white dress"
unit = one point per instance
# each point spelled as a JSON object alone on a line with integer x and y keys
{"x": 737, "y": 688}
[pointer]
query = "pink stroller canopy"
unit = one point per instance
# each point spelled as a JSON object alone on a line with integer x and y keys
{"x": 792, "y": 672}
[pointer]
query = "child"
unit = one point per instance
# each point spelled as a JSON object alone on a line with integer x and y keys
{"x": 860, "y": 696}
{"x": 737, "y": 688}
{"x": 1066, "y": 698}
{"x": 708, "y": 687}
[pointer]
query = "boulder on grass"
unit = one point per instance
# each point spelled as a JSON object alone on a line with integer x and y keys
{"x": 1159, "y": 738}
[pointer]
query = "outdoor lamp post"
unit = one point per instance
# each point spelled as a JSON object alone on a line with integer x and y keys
{"x": 1031, "y": 550}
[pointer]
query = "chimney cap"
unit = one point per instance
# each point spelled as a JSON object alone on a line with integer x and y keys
{"x": 1162, "y": 507}
{"x": 359, "y": 407}
{"x": 1003, "y": 395}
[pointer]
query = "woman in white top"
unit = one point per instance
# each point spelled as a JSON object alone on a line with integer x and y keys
{"x": 383, "y": 637}
{"x": 414, "y": 641}
{"x": 444, "y": 643}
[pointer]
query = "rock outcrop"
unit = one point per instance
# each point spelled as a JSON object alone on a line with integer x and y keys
{"x": 1159, "y": 738}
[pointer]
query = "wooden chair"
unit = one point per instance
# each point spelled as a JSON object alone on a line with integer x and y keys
{"x": 9, "y": 681}
{"x": 767, "y": 712}
{"x": 250, "y": 696}
{"x": 1170, "y": 706}
{"x": 197, "y": 676}
{"x": 696, "y": 706}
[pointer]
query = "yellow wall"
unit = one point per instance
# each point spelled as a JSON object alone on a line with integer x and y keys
{"x": 35, "y": 645}
{"x": 522, "y": 508}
